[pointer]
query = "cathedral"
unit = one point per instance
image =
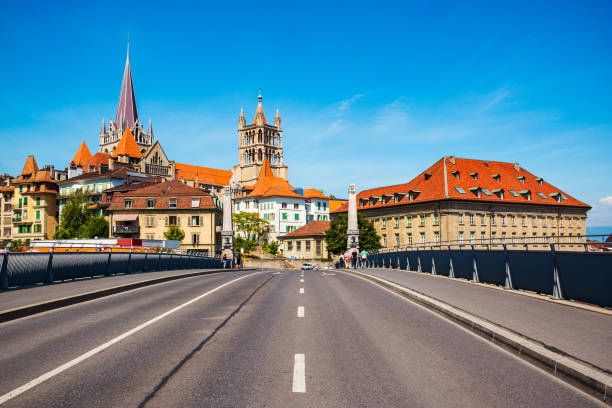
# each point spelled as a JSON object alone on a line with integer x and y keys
{"x": 256, "y": 142}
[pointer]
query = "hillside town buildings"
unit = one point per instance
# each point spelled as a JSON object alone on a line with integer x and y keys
{"x": 6, "y": 206}
{"x": 471, "y": 201}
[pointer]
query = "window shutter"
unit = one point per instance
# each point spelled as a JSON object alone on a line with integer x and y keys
{"x": 178, "y": 220}
{"x": 189, "y": 220}
{"x": 201, "y": 220}
{"x": 166, "y": 221}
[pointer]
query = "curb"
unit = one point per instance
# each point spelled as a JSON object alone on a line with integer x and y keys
{"x": 23, "y": 311}
{"x": 588, "y": 379}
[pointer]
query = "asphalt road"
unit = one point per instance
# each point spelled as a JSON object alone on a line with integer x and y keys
{"x": 189, "y": 343}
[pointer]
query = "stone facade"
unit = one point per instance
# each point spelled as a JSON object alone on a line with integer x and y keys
{"x": 306, "y": 242}
{"x": 6, "y": 207}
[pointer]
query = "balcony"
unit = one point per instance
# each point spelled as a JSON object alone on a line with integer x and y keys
{"x": 157, "y": 170}
{"x": 19, "y": 220}
{"x": 126, "y": 229}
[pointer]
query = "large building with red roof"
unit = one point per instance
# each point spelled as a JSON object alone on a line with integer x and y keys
{"x": 306, "y": 242}
{"x": 471, "y": 201}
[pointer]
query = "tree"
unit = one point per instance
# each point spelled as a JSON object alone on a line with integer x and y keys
{"x": 74, "y": 216}
{"x": 174, "y": 233}
{"x": 336, "y": 238}
{"x": 247, "y": 245}
{"x": 271, "y": 247}
{"x": 250, "y": 224}
{"x": 94, "y": 227}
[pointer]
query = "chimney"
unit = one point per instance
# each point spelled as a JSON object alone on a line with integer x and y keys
{"x": 517, "y": 167}
{"x": 451, "y": 159}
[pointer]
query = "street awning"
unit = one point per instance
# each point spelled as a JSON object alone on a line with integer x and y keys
{"x": 125, "y": 217}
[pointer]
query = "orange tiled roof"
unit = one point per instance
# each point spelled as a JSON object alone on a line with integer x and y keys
{"x": 162, "y": 192}
{"x": 44, "y": 176}
{"x": 204, "y": 175}
{"x": 310, "y": 229}
{"x": 269, "y": 186}
{"x": 127, "y": 145}
{"x": 96, "y": 160}
{"x": 30, "y": 167}
{"x": 334, "y": 204}
{"x": 468, "y": 179}
{"x": 82, "y": 155}
{"x": 313, "y": 193}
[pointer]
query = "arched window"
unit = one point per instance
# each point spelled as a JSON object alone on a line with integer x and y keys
{"x": 259, "y": 136}
{"x": 260, "y": 155}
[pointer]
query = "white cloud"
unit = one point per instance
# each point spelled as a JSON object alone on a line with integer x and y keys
{"x": 606, "y": 201}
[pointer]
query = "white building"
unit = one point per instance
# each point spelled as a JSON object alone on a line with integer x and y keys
{"x": 285, "y": 207}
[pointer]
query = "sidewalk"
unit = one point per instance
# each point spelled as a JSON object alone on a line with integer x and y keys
{"x": 15, "y": 298}
{"x": 583, "y": 334}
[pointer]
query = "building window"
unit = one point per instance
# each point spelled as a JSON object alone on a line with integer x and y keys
{"x": 284, "y": 216}
{"x": 422, "y": 220}
{"x": 384, "y": 223}
{"x": 533, "y": 221}
{"x": 482, "y": 236}
{"x": 396, "y": 220}
{"x": 38, "y": 214}
{"x": 150, "y": 203}
{"x": 195, "y": 203}
{"x": 436, "y": 218}
{"x": 237, "y": 206}
{"x": 289, "y": 246}
{"x": 296, "y": 206}
{"x": 422, "y": 237}
{"x": 298, "y": 245}
{"x": 284, "y": 205}
{"x": 296, "y": 216}
{"x": 461, "y": 237}
{"x": 504, "y": 237}
{"x": 503, "y": 220}
{"x": 172, "y": 203}
{"x": 318, "y": 247}
{"x": 513, "y": 237}
{"x": 397, "y": 240}
{"x": 173, "y": 220}
{"x": 409, "y": 239}
{"x": 307, "y": 243}
{"x": 437, "y": 237}
{"x": 472, "y": 219}
{"x": 524, "y": 220}
{"x": 150, "y": 220}
{"x": 195, "y": 220}
{"x": 460, "y": 218}
{"x": 25, "y": 201}
{"x": 127, "y": 203}
{"x": 195, "y": 239}
{"x": 482, "y": 219}
{"x": 409, "y": 221}
{"x": 37, "y": 200}
{"x": 384, "y": 240}
{"x": 492, "y": 219}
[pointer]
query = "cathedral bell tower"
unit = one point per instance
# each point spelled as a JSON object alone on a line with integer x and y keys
{"x": 256, "y": 142}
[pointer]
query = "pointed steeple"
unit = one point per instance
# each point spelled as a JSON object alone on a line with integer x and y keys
{"x": 103, "y": 130}
{"x": 260, "y": 118}
{"x": 277, "y": 119}
{"x": 127, "y": 146}
{"x": 127, "y": 114}
{"x": 241, "y": 119}
{"x": 150, "y": 129}
{"x": 82, "y": 156}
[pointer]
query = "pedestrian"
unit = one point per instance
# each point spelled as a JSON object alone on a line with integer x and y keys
{"x": 239, "y": 261}
{"x": 341, "y": 262}
{"x": 354, "y": 259}
{"x": 364, "y": 259}
{"x": 224, "y": 261}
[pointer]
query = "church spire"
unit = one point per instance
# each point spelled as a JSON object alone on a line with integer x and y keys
{"x": 241, "y": 119}
{"x": 150, "y": 129}
{"x": 277, "y": 119}
{"x": 260, "y": 118}
{"x": 103, "y": 130}
{"x": 127, "y": 115}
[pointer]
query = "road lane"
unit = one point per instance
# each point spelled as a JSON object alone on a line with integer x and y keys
{"x": 361, "y": 346}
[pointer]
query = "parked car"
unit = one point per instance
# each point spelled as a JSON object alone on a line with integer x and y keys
{"x": 307, "y": 265}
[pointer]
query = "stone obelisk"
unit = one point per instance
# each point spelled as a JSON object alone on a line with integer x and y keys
{"x": 352, "y": 231}
{"x": 227, "y": 233}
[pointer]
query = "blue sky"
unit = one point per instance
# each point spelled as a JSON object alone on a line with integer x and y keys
{"x": 369, "y": 92}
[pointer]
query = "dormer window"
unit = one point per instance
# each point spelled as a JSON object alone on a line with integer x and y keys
{"x": 539, "y": 180}
{"x": 460, "y": 190}
{"x": 526, "y": 194}
{"x": 476, "y": 191}
{"x": 386, "y": 198}
{"x": 397, "y": 197}
{"x": 127, "y": 204}
{"x": 556, "y": 197}
{"x": 499, "y": 192}
{"x": 521, "y": 179}
{"x": 363, "y": 202}
{"x": 172, "y": 203}
{"x": 413, "y": 194}
{"x": 474, "y": 176}
{"x": 427, "y": 176}
{"x": 455, "y": 173}
{"x": 496, "y": 177}
{"x": 150, "y": 203}
{"x": 374, "y": 200}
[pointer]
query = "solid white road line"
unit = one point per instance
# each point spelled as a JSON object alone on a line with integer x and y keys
{"x": 301, "y": 291}
{"x": 301, "y": 280}
{"x": 299, "y": 373}
{"x": 300, "y": 311}
{"x": 12, "y": 394}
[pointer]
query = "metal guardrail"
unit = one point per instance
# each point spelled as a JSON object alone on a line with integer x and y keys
{"x": 584, "y": 276}
{"x": 34, "y": 267}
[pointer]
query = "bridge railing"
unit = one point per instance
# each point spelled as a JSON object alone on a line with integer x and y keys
{"x": 584, "y": 276}
{"x": 22, "y": 266}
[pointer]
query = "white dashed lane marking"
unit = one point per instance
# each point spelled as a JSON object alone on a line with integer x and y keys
{"x": 299, "y": 373}
{"x": 300, "y": 312}
{"x": 301, "y": 291}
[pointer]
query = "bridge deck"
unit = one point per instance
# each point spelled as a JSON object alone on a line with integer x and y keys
{"x": 583, "y": 334}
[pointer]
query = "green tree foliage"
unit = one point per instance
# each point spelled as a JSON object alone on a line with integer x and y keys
{"x": 77, "y": 222}
{"x": 94, "y": 227}
{"x": 247, "y": 245}
{"x": 174, "y": 233}
{"x": 271, "y": 247}
{"x": 336, "y": 238}
{"x": 251, "y": 225}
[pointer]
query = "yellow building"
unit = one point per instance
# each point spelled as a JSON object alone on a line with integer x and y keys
{"x": 306, "y": 242}
{"x": 466, "y": 201}
{"x": 34, "y": 203}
